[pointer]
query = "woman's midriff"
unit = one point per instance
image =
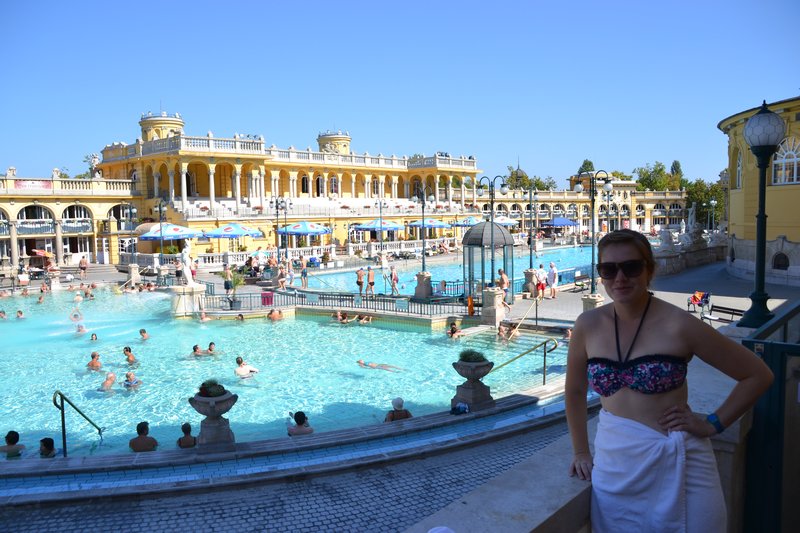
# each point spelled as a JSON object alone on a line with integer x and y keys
{"x": 646, "y": 409}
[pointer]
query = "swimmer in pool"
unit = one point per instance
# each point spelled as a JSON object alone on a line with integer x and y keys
{"x": 129, "y": 357}
{"x": 94, "y": 364}
{"x": 211, "y": 348}
{"x": 3, "y": 315}
{"x": 204, "y": 317}
{"x": 40, "y": 300}
{"x": 243, "y": 370}
{"x": 197, "y": 351}
{"x": 143, "y": 334}
{"x": 78, "y": 298}
{"x": 93, "y": 337}
{"x": 20, "y": 314}
{"x": 378, "y": 366}
{"x": 111, "y": 378}
{"x": 131, "y": 381}
{"x": 80, "y": 329}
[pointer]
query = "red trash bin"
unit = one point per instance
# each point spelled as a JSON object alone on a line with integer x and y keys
{"x": 267, "y": 298}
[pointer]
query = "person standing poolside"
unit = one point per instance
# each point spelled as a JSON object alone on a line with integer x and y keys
{"x": 83, "y": 266}
{"x": 360, "y": 280}
{"x": 289, "y": 275}
{"x": 653, "y": 466}
{"x": 281, "y": 277}
{"x": 95, "y": 363}
{"x": 111, "y": 378}
{"x": 541, "y": 282}
{"x": 552, "y": 280}
{"x": 394, "y": 279}
{"x": 370, "y": 282}
{"x": 143, "y": 442}
{"x": 227, "y": 276}
{"x": 187, "y": 440}
{"x": 243, "y": 370}
{"x": 303, "y": 272}
{"x": 504, "y": 284}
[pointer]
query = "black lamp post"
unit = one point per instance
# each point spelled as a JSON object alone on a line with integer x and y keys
{"x": 131, "y": 215}
{"x": 713, "y": 203}
{"x": 533, "y": 196}
{"x": 763, "y": 132}
{"x": 592, "y": 193}
{"x": 380, "y": 204}
{"x": 281, "y": 204}
{"x": 422, "y": 199}
{"x": 503, "y": 189}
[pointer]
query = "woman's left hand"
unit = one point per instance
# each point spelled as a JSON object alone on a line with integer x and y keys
{"x": 681, "y": 418}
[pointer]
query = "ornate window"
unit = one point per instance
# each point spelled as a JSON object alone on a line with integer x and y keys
{"x": 785, "y": 163}
{"x": 780, "y": 261}
{"x": 76, "y": 212}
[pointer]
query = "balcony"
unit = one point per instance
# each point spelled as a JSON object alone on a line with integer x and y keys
{"x": 439, "y": 161}
{"x": 80, "y": 225}
{"x": 36, "y": 227}
{"x": 39, "y": 187}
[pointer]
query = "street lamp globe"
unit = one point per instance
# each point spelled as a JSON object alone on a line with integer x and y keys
{"x": 765, "y": 128}
{"x": 504, "y": 189}
{"x": 578, "y": 188}
{"x": 480, "y": 191}
{"x": 608, "y": 187}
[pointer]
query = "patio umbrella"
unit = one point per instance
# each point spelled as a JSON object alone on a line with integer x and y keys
{"x": 233, "y": 231}
{"x": 467, "y": 222}
{"x": 260, "y": 254}
{"x": 505, "y": 221}
{"x": 304, "y": 228}
{"x": 42, "y": 253}
{"x": 170, "y": 232}
{"x": 430, "y": 223}
{"x": 378, "y": 225}
{"x": 560, "y": 222}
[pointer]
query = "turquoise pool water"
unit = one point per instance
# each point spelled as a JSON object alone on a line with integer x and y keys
{"x": 450, "y": 270}
{"x": 305, "y": 364}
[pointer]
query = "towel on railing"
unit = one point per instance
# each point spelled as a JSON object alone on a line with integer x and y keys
{"x": 644, "y": 480}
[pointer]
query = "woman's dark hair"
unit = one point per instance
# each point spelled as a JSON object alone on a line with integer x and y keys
{"x": 48, "y": 443}
{"x": 300, "y": 418}
{"x": 195, "y": 347}
{"x": 635, "y": 239}
{"x": 126, "y": 349}
{"x": 186, "y": 427}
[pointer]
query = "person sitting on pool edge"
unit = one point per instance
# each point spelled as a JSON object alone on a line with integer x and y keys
{"x": 187, "y": 440}
{"x": 131, "y": 381}
{"x": 397, "y": 412}
{"x": 301, "y": 426}
{"x": 12, "y": 448}
{"x": 378, "y": 366}
{"x": 454, "y": 332}
{"x": 47, "y": 448}
{"x": 243, "y": 370}
{"x": 143, "y": 442}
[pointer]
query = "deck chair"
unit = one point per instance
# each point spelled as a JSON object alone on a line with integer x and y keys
{"x": 703, "y": 299}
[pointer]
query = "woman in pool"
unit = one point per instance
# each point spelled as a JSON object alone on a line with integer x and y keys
{"x": 654, "y": 467}
{"x": 93, "y": 337}
{"x": 131, "y": 381}
{"x": 378, "y": 366}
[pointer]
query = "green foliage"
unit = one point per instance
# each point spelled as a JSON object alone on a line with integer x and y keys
{"x": 656, "y": 178}
{"x": 619, "y": 175}
{"x": 675, "y": 169}
{"x": 471, "y": 356}
{"x": 211, "y": 388}
{"x": 586, "y": 166}
{"x": 519, "y": 179}
{"x": 701, "y": 193}
{"x": 416, "y": 157}
{"x": 325, "y": 258}
{"x": 64, "y": 173}
{"x": 170, "y": 249}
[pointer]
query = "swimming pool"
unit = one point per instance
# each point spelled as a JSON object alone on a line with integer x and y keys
{"x": 305, "y": 364}
{"x": 450, "y": 270}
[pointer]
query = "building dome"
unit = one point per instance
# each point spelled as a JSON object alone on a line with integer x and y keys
{"x": 481, "y": 235}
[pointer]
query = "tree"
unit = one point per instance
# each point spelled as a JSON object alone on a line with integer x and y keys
{"x": 517, "y": 178}
{"x": 701, "y": 193}
{"x": 656, "y": 178}
{"x": 621, "y": 176}
{"x": 586, "y": 166}
{"x": 416, "y": 157}
{"x": 675, "y": 169}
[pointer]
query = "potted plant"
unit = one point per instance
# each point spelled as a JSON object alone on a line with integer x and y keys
{"x": 473, "y": 366}
{"x": 325, "y": 258}
{"x": 213, "y": 401}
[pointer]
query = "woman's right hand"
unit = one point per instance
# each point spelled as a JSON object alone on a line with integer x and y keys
{"x": 581, "y": 466}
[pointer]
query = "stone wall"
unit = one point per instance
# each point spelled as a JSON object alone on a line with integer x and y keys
{"x": 741, "y": 260}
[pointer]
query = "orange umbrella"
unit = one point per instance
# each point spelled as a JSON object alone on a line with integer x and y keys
{"x": 42, "y": 253}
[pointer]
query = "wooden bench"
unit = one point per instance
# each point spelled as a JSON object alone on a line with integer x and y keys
{"x": 722, "y": 314}
{"x": 582, "y": 282}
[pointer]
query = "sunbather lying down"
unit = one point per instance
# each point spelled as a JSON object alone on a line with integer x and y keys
{"x": 378, "y": 366}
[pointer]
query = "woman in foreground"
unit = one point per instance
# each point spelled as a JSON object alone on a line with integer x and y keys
{"x": 654, "y": 468}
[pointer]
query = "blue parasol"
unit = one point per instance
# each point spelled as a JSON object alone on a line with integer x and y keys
{"x": 233, "y": 231}
{"x": 304, "y": 228}
{"x": 560, "y": 222}
{"x": 378, "y": 225}
{"x": 170, "y": 232}
{"x": 430, "y": 223}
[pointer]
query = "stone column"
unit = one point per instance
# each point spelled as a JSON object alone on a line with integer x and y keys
{"x": 59, "y": 243}
{"x": 382, "y": 187}
{"x": 184, "y": 177}
{"x": 237, "y": 187}
{"x": 463, "y": 191}
{"x": 211, "y": 196}
{"x": 368, "y": 186}
{"x": 12, "y": 227}
{"x": 353, "y": 194}
{"x": 530, "y": 281}
{"x": 324, "y": 186}
{"x": 492, "y": 312}
{"x": 449, "y": 188}
{"x": 394, "y": 186}
{"x": 171, "y": 175}
{"x": 274, "y": 183}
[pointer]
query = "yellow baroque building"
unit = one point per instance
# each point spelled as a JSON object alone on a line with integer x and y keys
{"x": 205, "y": 182}
{"x": 782, "y": 198}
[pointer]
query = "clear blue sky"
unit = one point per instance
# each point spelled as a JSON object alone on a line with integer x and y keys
{"x": 623, "y": 83}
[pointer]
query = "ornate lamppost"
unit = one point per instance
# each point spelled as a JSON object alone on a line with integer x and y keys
{"x": 713, "y": 203}
{"x": 504, "y": 190}
{"x": 533, "y": 195}
{"x": 281, "y": 204}
{"x": 380, "y": 204}
{"x": 763, "y": 132}
{"x": 423, "y": 199}
{"x": 592, "y": 193}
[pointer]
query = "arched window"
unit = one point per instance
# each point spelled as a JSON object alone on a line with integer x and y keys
{"x": 639, "y": 210}
{"x": 515, "y": 209}
{"x": 487, "y": 207}
{"x": 35, "y": 212}
{"x": 375, "y": 187}
{"x": 572, "y": 209}
{"x": 4, "y": 227}
{"x": 780, "y": 261}
{"x": 544, "y": 211}
{"x": 738, "y": 170}
{"x": 76, "y": 212}
{"x": 785, "y": 163}
{"x": 626, "y": 211}
{"x": 585, "y": 210}
{"x": 334, "y": 185}
{"x": 675, "y": 206}
{"x": 558, "y": 209}
{"x": 304, "y": 184}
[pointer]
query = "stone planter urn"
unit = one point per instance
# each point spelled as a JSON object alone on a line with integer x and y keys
{"x": 473, "y": 392}
{"x": 214, "y": 429}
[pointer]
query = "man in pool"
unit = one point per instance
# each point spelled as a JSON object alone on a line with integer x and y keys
{"x": 143, "y": 442}
{"x": 275, "y": 314}
{"x": 378, "y": 366}
{"x": 111, "y": 378}
{"x": 143, "y": 334}
{"x": 131, "y": 381}
{"x": 12, "y": 447}
{"x": 20, "y": 314}
{"x": 129, "y": 357}
{"x": 94, "y": 364}
{"x": 243, "y": 370}
{"x": 454, "y": 332}
{"x": 204, "y": 317}
{"x": 196, "y": 350}
{"x": 3, "y": 315}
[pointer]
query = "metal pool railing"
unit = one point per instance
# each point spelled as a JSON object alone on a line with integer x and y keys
{"x": 58, "y": 401}
{"x": 404, "y": 305}
{"x": 545, "y": 350}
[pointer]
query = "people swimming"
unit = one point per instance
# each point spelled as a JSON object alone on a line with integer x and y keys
{"x": 275, "y": 314}
{"x": 244, "y": 370}
{"x": 94, "y": 363}
{"x": 111, "y": 378}
{"x": 131, "y": 381}
{"x": 129, "y": 357}
{"x": 211, "y": 348}
{"x": 143, "y": 334}
{"x": 454, "y": 332}
{"x": 378, "y": 366}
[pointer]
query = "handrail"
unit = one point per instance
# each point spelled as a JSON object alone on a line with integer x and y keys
{"x": 63, "y": 398}
{"x": 526, "y": 352}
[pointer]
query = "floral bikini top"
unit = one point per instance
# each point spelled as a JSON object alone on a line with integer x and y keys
{"x": 648, "y": 374}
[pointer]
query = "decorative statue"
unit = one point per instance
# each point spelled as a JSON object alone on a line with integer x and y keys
{"x": 186, "y": 259}
{"x": 667, "y": 243}
{"x": 692, "y": 216}
{"x": 683, "y": 226}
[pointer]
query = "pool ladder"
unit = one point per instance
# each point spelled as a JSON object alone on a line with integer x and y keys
{"x": 545, "y": 351}
{"x": 58, "y": 401}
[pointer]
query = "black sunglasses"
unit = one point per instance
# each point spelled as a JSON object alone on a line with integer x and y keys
{"x": 630, "y": 269}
